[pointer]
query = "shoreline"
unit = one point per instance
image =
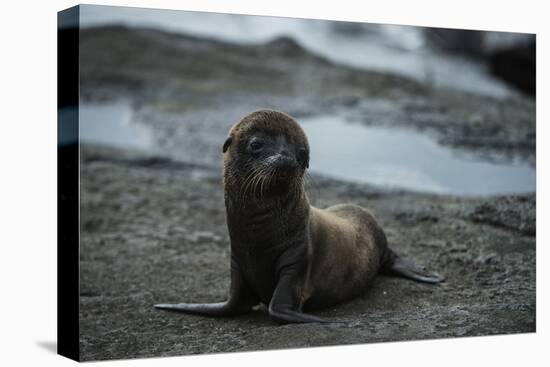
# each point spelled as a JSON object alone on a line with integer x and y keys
{"x": 186, "y": 83}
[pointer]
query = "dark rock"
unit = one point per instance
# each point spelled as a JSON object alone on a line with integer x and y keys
{"x": 512, "y": 212}
{"x": 517, "y": 66}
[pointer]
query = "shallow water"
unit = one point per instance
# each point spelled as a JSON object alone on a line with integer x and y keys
{"x": 403, "y": 158}
{"x": 110, "y": 124}
{"x": 389, "y": 157}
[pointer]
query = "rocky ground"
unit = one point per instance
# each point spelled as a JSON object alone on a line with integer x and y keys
{"x": 153, "y": 227}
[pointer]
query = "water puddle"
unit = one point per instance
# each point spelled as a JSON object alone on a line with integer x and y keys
{"x": 403, "y": 158}
{"x": 390, "y": 157}
{"x": 110, "y": 124}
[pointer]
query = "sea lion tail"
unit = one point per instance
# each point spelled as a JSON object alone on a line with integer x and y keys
{"x": 394, "y": 264}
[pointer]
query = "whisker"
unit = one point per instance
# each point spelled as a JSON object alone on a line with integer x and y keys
{"x": 247, "y": 183}
{"x": 255, "y": 182}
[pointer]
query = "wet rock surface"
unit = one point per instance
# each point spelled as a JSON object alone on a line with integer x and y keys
{"x": 153, "y": 227}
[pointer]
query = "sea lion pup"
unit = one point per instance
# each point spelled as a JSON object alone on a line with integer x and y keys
{"x": 284, "y": 252}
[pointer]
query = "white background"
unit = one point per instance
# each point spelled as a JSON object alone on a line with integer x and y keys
{"x": 28, "y": 182}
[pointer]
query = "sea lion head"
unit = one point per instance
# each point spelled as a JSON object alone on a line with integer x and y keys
{"x": 265, "y": 152}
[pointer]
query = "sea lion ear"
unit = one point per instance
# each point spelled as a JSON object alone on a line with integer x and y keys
{"x": 304, "y": 157}
{"x": 227, "y": 143}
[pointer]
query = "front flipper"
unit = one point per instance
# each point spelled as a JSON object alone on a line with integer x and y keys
{"x": 241, "y": 300}
{"x": 287, "y": 315}
{"x": 395, "y": 264}
{"x": 286, "y": 304}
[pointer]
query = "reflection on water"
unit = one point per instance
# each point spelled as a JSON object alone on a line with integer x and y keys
{"x": 390, "y": 157}
{"x": 110, "y": 124}
{"x": 403, "y": 158}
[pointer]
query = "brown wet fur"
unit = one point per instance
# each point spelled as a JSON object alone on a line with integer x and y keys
{"x": 348, "y": 248}
{"x": 344, "y": 245}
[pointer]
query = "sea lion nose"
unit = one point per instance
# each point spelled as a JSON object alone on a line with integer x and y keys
{"x": 282, "y": 160}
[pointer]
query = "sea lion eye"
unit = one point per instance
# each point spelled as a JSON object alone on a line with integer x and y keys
{"x": 256, "y": 145}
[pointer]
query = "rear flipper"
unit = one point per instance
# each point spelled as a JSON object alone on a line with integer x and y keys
{"x": 396, "y": 265}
